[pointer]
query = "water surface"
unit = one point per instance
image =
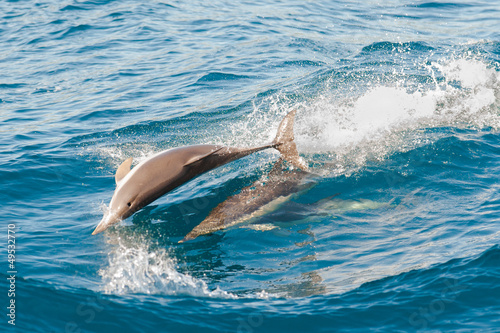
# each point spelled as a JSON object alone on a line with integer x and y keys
{"x": 398, "y": 112}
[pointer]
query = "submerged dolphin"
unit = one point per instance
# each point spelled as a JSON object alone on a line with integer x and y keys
{"x": 254, "y": 200}
{"x": 169, "y": 169}
{"x": 270, "y": 198}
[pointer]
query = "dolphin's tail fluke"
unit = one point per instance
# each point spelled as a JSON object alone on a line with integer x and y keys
{"x": 285, "y": 143}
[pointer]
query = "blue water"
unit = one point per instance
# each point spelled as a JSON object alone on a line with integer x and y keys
{"x": 398, "y": 113}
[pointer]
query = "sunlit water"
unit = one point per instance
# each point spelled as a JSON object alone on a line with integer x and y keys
{"x": 398, "y": 116}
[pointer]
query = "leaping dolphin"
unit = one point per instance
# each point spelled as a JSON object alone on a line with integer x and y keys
{"x": 169, "y": 169}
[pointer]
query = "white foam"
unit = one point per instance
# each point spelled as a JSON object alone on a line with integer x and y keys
{"x": 135, "y": 268}
{"x": 390, "y": 118}
{"x": 469, "y": 72}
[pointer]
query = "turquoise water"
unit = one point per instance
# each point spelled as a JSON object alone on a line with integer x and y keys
{"x": 398, "y": 113}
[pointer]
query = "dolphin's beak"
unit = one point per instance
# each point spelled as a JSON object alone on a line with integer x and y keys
{"x": 100, "y": 228}
{"x": 107, "y": 221}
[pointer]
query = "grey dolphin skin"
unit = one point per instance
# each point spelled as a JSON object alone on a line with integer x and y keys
{"x": 169, "y": 169}
{"x": 252, "y": 200}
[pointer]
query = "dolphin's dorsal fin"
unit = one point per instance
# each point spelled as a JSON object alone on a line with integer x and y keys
{"x": 123, "y": 170}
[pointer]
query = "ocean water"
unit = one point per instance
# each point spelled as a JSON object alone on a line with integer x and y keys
{"x": 398, "y": 114}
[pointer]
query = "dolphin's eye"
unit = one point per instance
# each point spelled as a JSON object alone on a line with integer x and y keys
{"x": 129, "y": 204}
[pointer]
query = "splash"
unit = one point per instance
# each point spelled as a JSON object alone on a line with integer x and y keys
{"x": 387, "y": 119}
{"x": 118, "y": 154}
{"x": 139, "y": 268}
{"x": 382, "y": 109}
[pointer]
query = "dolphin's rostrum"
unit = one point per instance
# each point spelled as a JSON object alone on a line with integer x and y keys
{"x": 169, "y": 169}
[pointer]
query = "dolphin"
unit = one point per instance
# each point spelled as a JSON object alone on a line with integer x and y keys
{"x": 167, "y": 170}
{"x": 255, "y": 200}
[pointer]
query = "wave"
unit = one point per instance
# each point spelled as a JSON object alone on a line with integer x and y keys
{"x": 443, "y": 5}
{"x": 216, "y": 76}
{"x": 395, "y": 48}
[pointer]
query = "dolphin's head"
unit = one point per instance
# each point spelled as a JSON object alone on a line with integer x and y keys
{"x": 123, "y": 204}
{"x": 125, "y": 201}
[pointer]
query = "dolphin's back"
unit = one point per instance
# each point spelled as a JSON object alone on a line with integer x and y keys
{"x": 169, "y": 169}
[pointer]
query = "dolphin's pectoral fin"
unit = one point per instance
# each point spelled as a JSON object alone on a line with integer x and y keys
{"x": 123, "y": 169}
{"x": 198, "y": 158}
